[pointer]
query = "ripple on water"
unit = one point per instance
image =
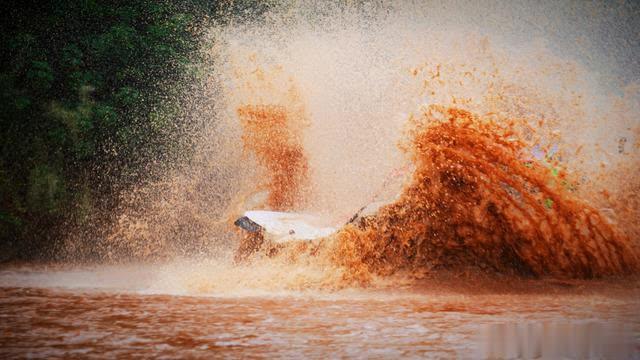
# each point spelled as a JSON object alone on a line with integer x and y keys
{"x": 94, "y": 321}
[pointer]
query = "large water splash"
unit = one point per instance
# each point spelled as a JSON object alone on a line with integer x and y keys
{"x": 356, "y": 75}
{"x": 475, "y": 199}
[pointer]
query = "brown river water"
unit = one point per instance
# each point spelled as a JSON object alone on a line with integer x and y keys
{"x": 141, "y": 312}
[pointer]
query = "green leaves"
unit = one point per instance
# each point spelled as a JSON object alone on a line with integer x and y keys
{"x": 113, "y": 47}
{"x": 22, "y": 102}
{"x": 46, "y": 189}
{"x": 72, "y": 57}
{"x": 24, "y": 49}
{"x": 78, "y": 121}
{"x": 89, "y": 84}
{"x": 105, "y": 115}
{"x": 40, "y": 76}
{"x": 127, "y": 96}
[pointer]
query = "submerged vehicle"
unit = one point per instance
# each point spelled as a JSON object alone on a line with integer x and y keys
{"x": 270, "y": 230}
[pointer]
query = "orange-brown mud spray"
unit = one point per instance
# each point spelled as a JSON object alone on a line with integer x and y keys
{"x": 268, "y": 132}
{"x": 474, "y": 200}
{"x": 319, "y": 96}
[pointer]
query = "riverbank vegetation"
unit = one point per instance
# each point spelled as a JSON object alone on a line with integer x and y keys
{"x": 91, "y": 99}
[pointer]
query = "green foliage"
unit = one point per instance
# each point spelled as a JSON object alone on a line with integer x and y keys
{"x": 46, "y": 189}
{"x": 85, "y": 85}
{"x": 39, "y": 76}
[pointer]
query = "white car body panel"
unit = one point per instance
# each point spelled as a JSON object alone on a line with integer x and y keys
{"x": 282, "y": 227}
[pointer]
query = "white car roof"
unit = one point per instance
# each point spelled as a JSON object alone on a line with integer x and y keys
{"x": 285, "y": 226}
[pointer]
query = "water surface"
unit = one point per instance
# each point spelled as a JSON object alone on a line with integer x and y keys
{"x": 110, "y": 312}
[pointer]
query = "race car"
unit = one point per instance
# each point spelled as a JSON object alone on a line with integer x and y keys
{"x": 270, "y": 230}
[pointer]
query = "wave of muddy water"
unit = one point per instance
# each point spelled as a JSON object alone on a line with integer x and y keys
{"x": 151, "y": 311}
{"x": 476, "y": 199}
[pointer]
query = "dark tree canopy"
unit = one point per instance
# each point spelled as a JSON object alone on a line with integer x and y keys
{"x": 90, "y": 95}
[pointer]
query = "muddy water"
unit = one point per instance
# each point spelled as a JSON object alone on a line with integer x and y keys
{"x": 129, "y": 312}
{"x": 474, "y": 200}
